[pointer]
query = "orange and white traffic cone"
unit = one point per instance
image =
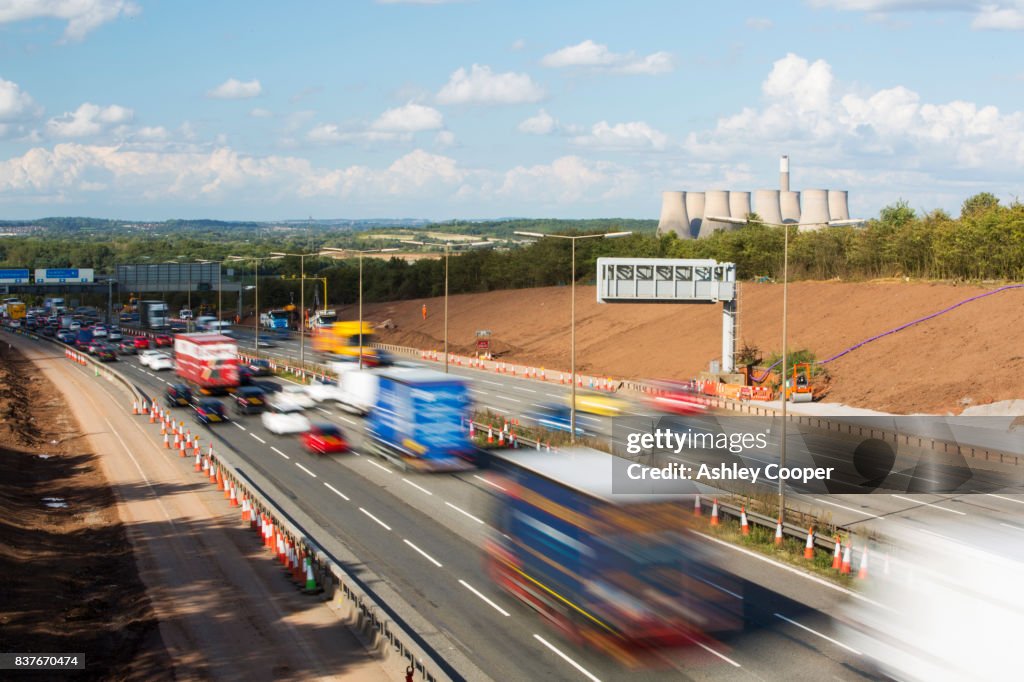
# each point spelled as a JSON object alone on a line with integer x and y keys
{"x": 845, "y": 568}
{"x": 163, "y": 428}
{"x": 744, "y": 525}
{"x": 152, "y": 415}
{"x": 714, "y": 513}
{"x": 245, "y": 508}
{"x": 696, "y": 505}
{"x": 213, "y": 472}
{"x": 135, "y": 407}
{"x": 490, "y": 436}
{"x": 778, "y": 532}
{"x": 862, "y": 572}
{"x": 837, "y": 556}
{"x": 167, "y": 442}
{"x": 199, "y": 463}
{"x": 234, "y": 497}
{"x": 501, "y": 438}
{"x": 809, "y": 547}
{"x": 181, "y": 451}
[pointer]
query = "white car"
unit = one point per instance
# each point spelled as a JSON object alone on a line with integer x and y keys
{"x": 99, "y": 332}
{"x": 161, "y": 361}
{"x": 321, "y": 391}
{"x": 283, "y": 417}
{"x": 146, "y": 356}
{"x": 297, "y": 394}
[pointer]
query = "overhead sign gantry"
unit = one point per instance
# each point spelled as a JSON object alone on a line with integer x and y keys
{"x": 673, "y": 280}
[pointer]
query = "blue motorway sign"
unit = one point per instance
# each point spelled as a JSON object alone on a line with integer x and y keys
{"x": 14, "y": 276}
{"x": 61, "y": 273}
{"x": 64, "y": 275}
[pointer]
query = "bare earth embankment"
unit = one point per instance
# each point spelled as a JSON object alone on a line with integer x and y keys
{"x": 970, "y": 356}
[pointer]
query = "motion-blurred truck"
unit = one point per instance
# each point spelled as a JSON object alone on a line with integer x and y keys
{"x": 418, "y": 421}
{"x": 622, "y": 572}
{"x": 153, "y": 315}
{"x": 355, "y": 391}
{"x": 209, "y": 362}
{"x": 341, "y": 340}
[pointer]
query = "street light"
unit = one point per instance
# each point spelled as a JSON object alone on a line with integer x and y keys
{"x": 302, "y": 299}
{"x": 785, "y": 315}
{"x": 332, "y": 252}
{"x": 256, "y": 324}
{"x": 447, "y": 253}
{"x": 573, "y": 239}
{"x": 220, "y": 288}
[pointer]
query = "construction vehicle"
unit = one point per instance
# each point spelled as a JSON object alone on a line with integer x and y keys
{"x": 341, "y": 340}
{"x": 798, "y": 387}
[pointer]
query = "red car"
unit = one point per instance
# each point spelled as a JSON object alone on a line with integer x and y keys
{"x": 324, "y": 439}
{"x": 163, "y": 340}
{"x": 676, "y": 397}
{"x": 141, "y": 343}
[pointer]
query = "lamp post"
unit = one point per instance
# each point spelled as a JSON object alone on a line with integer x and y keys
{"x": 302, "y": 299}
{"x": 447, "y": 252}
{"x": 333, "y": 253}
{"x": 572, "y": 278}
{"x": 220, "y": 287}
{"x": 785, "y": 335}
{"x": 256, "y": 324}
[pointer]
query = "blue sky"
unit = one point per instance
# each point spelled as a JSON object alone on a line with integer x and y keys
{"x": 485, "y": 108}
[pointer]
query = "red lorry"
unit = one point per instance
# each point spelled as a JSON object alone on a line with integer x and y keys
{"x": 207, "y": 361}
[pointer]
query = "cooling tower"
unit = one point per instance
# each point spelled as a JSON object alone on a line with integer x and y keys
{"x": 814, "y": 213}
{"x": 784, "y": 173}
{"x": 694, "y": 209}
{"x": 673, "y": 215}
{"x": 716, "y": 203}
{"x": 789, "y": 206}
{"x": 766, "y": 205}
{"x": 838, "y": 209}
{"x": 739, "y": 204}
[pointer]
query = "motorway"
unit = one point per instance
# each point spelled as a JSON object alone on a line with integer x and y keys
{"x": 422, "y": 535}
{"x": 1003, "y": 503}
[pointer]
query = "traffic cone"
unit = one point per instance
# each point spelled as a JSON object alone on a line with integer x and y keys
{"x": 744, "y": 526}
{"x": 199, "y": 464}
{"x": 845, "y": 568}
{"x": 714, "y": 513}
{"x": 234, "y": 497}
{"x": 490, "y": 436}
{"x": 809, "y": 547}
{"x": 135, "y": 407}
{"x": 862, "y": 572}
{"x": 181, "y": 451}
{"x": 837, "y": 556}
{"x": 501, "y": 438}
{"x": 778, "y": 532}
{"x": 696, "y": 506}
{"x": 167, "y": 442}
{"x": 219, "y": 479}
{"x": 152, "y": 415}
{"x": 163, "y": 428}
{"x": 213, "y": 472}
{"x": 311, "y": 586}
{"x": 298, "y": 575}
{"x": 245, "y": 508}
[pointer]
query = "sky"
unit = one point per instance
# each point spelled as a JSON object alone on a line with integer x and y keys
{"x": 473, "y": 109}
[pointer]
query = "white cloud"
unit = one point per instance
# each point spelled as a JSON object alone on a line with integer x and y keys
{"x": 260, "y": 112}
{"x": 82, "y": 16}
{"x": 233, "y": 88}
{"x": 589, "y": 54}
{"x": 15, "y": 103}
{"x": 631, "y": 135}
{"x": 541, "y": 124}
{"x": 568, "y": 180}
{"x": 444, "y": 138}
{"x": 89, "y": 120}
{"x": 480, "y": 85}
{"x": 759, "y": 23}
{"x": 410, "y": 118}
{"x": 998, "y": 15}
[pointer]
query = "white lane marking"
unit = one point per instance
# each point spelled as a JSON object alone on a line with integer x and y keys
{"x": 520, "y": 388}
{"x": 929, "y": 504}
{"x": 347, "y": 420}
{"x": 796, "y": 571}
{"x": 477, "y": 593}
{"x": 258, "y": 438}
{"x": 279, "y": 452}
{"x": 238, "y": 425}
{"x": 463, "y": 511}
{"x": 375, "y": 518}
{"x": 305, "y": 469}
{"x": 1010, "y": 525}
{"x": 705, "y": 647}
{"x": 337, "y": 492}
{"x": 491, "y": 483}
{"x": 1008, "y": 499}
{"x": 324, "y": 411}
{"x": 566, "y": 658}
{"x": 379, "y": 466}
{"x": 424, "y": 490}
{"x": 473, "y": 390}
{"x": 554, "y": 395}
{"x": 855, "y": 511}
{"x": 512, "y": 399}
{"x": 719, "y": 587}
{"x": 487, "y": 381}
{"x": 424, "y": 554}
{"x": 539, "y": 404}
{"x": 815, "y": 632}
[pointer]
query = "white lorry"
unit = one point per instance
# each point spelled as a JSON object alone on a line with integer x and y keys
{"x": 355, "y": 390}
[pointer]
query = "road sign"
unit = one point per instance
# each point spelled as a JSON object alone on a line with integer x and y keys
{"x": 14, "y": 276}
{"x": 64, "y": 275}
{"x": 664, "y": 280}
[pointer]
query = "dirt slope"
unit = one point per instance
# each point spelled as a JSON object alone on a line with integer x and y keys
{"x": 973, "y": 355}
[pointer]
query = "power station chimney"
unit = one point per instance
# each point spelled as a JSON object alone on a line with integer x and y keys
{"x": 784, "y": 173}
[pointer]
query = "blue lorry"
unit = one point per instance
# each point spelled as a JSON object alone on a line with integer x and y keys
{"x": 83, "y": 337}
{"x": 623, "y": 573}
{"x": 418, "y": 421}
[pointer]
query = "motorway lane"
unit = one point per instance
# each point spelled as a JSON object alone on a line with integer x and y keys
{"x": 412, "y": 573}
